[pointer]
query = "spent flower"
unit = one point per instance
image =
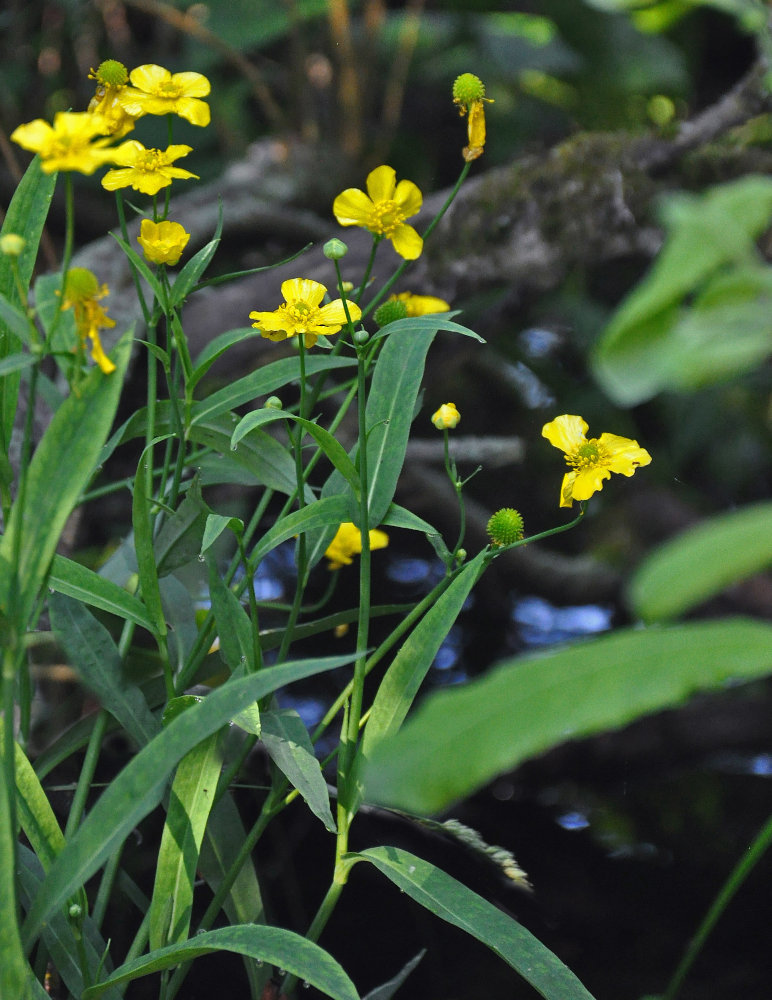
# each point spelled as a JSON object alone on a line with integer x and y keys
{"x": 111, "y": 79}
{"x": 383, "y": 210}
{"x": 76, "y": 141}
{"x": 469, "y": 95}
{"x": 302, "y": 313}
{"x": 162, "y": 242}
{"x": 347, "y": 543}
{"x": 145, "y": 170}
{"x": 156, "y": 91}
{"x": 505, "y": 527}
{"x": 591, "y": 460}
{"x": 82, "y": 294}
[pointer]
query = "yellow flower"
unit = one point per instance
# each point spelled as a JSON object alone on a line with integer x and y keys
{"x": 420, "y": 305}
{"x": 111, "y": 78}
{"x": 162, "y": 242}
{"x": 82, "y": 293}
{"x": 70, "y": 144}
{"x": 347, "y": 543}
{"x": 469, "y": 95}
{"x": 156, "y": 91}
{"x": 301, "y": 313}
{"x": 146, "y": 170}
{"x": 592, "y": 461}
{"x": 383, "y": 210}
{"x": 446, "y": 417}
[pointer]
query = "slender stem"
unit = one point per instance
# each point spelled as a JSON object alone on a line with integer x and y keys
{"x": 736, "y": 878}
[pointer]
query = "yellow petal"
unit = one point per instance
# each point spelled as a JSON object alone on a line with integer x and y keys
{"x": 409, "y": 198}
{"x": 589, "y": 481}
{"x": 567, "y": 490}
{"x": 334, "y": 312}
{"x": 32, "y": 135}
{"x": 192, "y": 110}
{"x": 566, "y": 432}
{"x": 303, "y": 290}
{"x": 626, "y": 455}
{"x": 149, "y": 77}
{"x": 381, "y": 183}
{"x": 352, "y": 207}
{"x": 192, "y": 84}
{"x": 407, "y": 242}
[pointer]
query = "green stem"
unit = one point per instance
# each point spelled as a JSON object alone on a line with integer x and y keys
{"x": 86, "y": 774}
{"x": 738, "y": 875}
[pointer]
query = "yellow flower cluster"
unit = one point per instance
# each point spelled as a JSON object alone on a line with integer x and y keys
{"x": 80, "y": 140}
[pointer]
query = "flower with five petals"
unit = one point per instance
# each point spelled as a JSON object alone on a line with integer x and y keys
{"x": 156, "y": 91}
{"x": 302, "y": 313}
{"x": 592, "y": 461}
{"x": 145, "y": 170}
{"x": 75, "y": 141}
{"x": 383, "y": 210}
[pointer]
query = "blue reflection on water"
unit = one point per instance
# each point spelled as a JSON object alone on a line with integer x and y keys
{"x": 573, "y": 820}
{"x": 541, "y": 623}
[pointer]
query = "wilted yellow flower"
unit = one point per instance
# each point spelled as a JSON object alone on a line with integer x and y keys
{"x": 592, "y": 461}
{"x": 82, "y": 293}
{"x": 111, "y": 79}
{"x": 383, "y": 210}
{"x": 469, "y": 95}
{"x": 446, "y": 417}
{"x": 162, "y": 242}
{"x": 156, "y": 91}
{"x": 302, "y": 313}
{"x": 72, "y": 142}
{"x": 421, "y": 305}
{"x": 146, "y": 170}
{"x": 347, "y": 543}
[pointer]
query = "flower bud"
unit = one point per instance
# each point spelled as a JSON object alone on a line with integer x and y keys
{"x": 334, "y": 249}
{"x": 12, "y": 245}
{"x": 446, "y": 417}
{"x": 361, "y": 337}
{"x": 390, "y": 311}
{"x": 505, "y": 527}
{"x": 273, "y": 403}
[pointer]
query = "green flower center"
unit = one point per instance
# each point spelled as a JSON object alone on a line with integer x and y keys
{"x": 589, "y": 455}
{"x": 150, "y": 161}
{"x": 169, "y": 90}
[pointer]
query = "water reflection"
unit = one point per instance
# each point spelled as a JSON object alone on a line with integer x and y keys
{"x": 541, "y": 623}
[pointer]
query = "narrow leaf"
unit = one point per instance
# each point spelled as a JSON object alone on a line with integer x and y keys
{"x": 274, "y": 945}
{"x": 527, "y": 705}
{"x": 190, "y": 803}
{"x": 234, "y": 628}
{"x": 458, "y": 905}
{"x": 287, "y": 741}
{"x": 322, "y": 513}
{"x": 139, "y": 787}
{"x": 191, "y": 272}
{"x": 74, "y": 580}
{"x": 93, "y": 653}
{"x": 143, "y": 546}
{"x": 702, "y": 562}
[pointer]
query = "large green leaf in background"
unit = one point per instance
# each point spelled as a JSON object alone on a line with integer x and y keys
{"x": 703, "y": 311}
{"x": 702, "y": 562}
{"x": 452, "y": 901}
{"x": 463, "y": 737}
{"x": 61, "y": 467}
{"x": 26, "y": 217}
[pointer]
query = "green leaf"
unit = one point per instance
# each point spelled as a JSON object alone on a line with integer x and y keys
{"x": 402, "y": 680}
{"x": 274, "y": 945}
{"x": 263, "y": 382}
{"x": 26, "y": 216}
{"x": 390, "y": 408}
{"x": 143, "y": 546}
{"x": 216, "y": 348}
{"x": 91, "y": 650}
{"x": 413, "y": 326}
{"x": 190, "y": 803}
{"x": 74, "y": 580}
{"x": 223, "y": 840}
{"x": 138, "y": 789}
{"x": 192, "y": 271}
{"x": 35, "y": 814}
{"x": 78, "y": 430}
{"x": 527, "y": 705}
{"x": 178, "y": 542}
{"x": 319, "y": 514}
{"x": 234, "y": 628}
{"x": 16, "y": 320}
{"x": 657, "y": 333}
{"x": 288, "y": 744}
{"x": 387, "y": 990}
{"x": 702, "y": 562}
{"x": 15, "y": 363}
{"x": 455, "y": 903}
{"x": 332, "y": 448}
{"x": 216, "y": 524}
